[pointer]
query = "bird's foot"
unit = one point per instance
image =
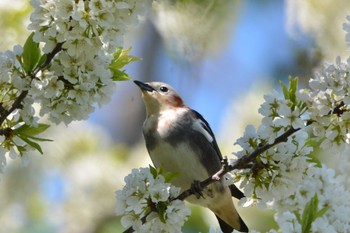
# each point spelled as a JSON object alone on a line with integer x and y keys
{"x": 196, "y": 189}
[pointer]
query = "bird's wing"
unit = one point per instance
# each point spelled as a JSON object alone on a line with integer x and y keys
{"x": 235, "y": 192}
{"x": 204, "y": 127}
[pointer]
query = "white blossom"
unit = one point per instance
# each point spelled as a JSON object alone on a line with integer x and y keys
{"x": 142, "y": 188}
{"x": 79, "y": 75}
{"x": 288, "y": 223}
{"x": 84, "y": 34}
{"x": 331, "y": 194}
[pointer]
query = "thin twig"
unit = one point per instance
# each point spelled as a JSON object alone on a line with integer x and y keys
{"x": 244, "y": 161}
{"x": 15, "y": 105}
{"x": 18, "y": 102}
{"x": 241, "y": 163}
{"x": 50, "y": 56}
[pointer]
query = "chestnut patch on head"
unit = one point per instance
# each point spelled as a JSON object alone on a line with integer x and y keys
{"x": 175, "y": 101}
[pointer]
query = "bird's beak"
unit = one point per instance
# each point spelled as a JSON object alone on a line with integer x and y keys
{"x": 144, "y": 86}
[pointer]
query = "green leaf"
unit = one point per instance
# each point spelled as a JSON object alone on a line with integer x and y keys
{"x": 120, "y": 75}
{"x": 309, "y": 214}
{"x": 41, "y": 61}
{"x": 169, "y": 176}
{"x": 118, "y": 53}
{"x": 293, "y": 84}
{"x": 161, "y": 207}
{"x": 121, "y": 59}
{"x": 313, "y": 159}
{"x": 30, "y": 130}
{"x": 290, "y": 93}
{"x": 297, "y": 215}
{"x": 40, "y": 139}
{"x": 160, "y": 170}
{"x": 31, "y": 54}
{"x": 153, "y": 171}
{"x": 21, "y": 149}
{"x": 285, "y": 90}
{"x": 31, "y": 143}
{"x": 322, "y": 212}
{"x": 314, "y": 143}
{"x": 28, "y": 134}
{"x": 293, "y": 87}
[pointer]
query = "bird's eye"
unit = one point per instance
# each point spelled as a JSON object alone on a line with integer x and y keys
{"x": 163, "y": 89}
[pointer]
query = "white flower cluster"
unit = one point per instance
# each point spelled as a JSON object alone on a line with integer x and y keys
{"x": 281, "y": 167}
{"x": 278, "y": 116}
{"x": 88, "y": 32}
{"x": 11, "y": 86}
{"x": 283, "y": 177}
{"x": 329, "y": 93}
{"x": 79, "y": 38}
{"x": 332, "y": 195}
{"x": 12, "y": 83}
{"x": 144, "y": 192}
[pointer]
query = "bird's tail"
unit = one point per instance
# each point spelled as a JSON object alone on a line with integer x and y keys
{"x": 227, "y": 215}
{"x": 226, "y": 228}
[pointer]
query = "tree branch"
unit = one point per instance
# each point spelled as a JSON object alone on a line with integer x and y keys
{"x": 50, "y": 56}
{"x": 18, "y": 102}
{"x": 243, "y": 162}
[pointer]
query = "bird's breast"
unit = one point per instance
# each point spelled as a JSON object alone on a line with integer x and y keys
{"x": 185, "y": 163}
{"x": 181, "y": 160}
{"x": 168, "y": 148}
{"x": 172, "y": 144}
{"x": 164, "y": 123}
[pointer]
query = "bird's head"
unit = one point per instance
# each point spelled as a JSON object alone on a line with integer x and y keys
{"x": 159, "y": 96}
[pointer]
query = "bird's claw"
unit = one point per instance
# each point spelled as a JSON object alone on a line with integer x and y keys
{"x": 196, "y": 189}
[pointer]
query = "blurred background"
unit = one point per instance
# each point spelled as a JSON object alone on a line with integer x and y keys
{"x": 221, "y": 55}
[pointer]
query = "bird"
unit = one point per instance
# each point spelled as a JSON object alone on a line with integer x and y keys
{"x": 179, "y": 140}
